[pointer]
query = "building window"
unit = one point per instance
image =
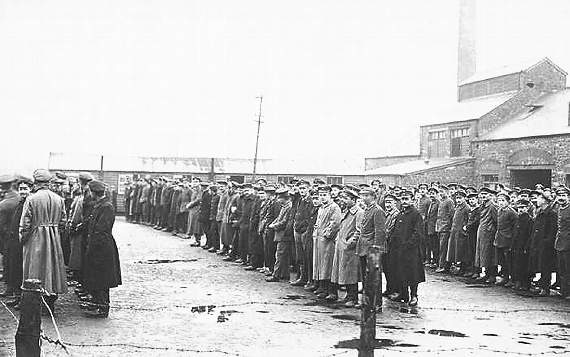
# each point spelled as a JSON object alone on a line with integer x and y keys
{"x": 490, "y": 180}
{"x": 436, "y": 135}
{"x": 284, "y": 179}
{"x": 460, "y": 133}
{"x": 334, "y": 180}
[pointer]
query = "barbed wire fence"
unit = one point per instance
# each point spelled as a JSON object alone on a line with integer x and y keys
{"x": 64, "y": 346}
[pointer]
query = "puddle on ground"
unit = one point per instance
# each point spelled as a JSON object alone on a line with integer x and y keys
{"x": 490, "y": 334}
{"x": 164, "y": 261}
{"x": 203, "y": 308}
{"x": 346, "y": 317}
{"x": 225, "y": 314}
{"x": 559, "y": 324}
{"x": 390, "y": 327}
{"x": 409, "y": 310}
{"x": 478, "y": 286}
{"x": 557, "y": 347}
{"x": 293, "y": 297}
{"x": 293, "y": 322}
{"x": 524, "y": 342}
{"x": 262, "y": 311}
{"x": 324, "y": 303}
{"x": 447, "y": 333}
{"x": 379, "y": 343}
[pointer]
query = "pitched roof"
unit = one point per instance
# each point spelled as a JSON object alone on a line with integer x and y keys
{"x": 417, "y": 166}
{"x": 508, "y": 69}
{"x": 547, "y": 116}
{"x": 468, "y": 109}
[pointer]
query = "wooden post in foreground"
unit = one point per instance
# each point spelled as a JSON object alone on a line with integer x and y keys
{"x": 28, "y": 333}
{"x": 370, "y": 298}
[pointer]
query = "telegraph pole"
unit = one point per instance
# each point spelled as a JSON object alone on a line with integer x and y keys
{"x": 257, "y": 139}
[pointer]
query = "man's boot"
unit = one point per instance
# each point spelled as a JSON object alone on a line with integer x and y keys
{"x": 302, "y": 279}
{"x": 333, "y": 292}
{"x": 324, "y": 293}
{"x": 319, "y": 285}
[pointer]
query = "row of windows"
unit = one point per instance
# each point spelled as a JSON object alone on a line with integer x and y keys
{"x": 331, "y": 180}
{"x": 455, "y": 133}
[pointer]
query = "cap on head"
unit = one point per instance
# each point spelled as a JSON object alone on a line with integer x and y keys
{"x": 96, "y": 186}
{"x": 86, "y": 176}
{"x": 7, "y": 179}
{"x": 42, "y": 175}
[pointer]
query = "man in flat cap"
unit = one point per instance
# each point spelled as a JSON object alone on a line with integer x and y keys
{"x": 562, "y": 242}
{"x": 102, "y": 266}
{"x": 345, "y": 261}
{"x": 432, "y": 241}
{"x": 42, "y": 215}
{"x": 445, "y": 212}
{"x": 324, "y": 235}
{"x": 373, "y": 232}
{"x": 506, "y": 222}
{"x": 458, "y": 235}
{"x": 283, "y": 238}
{"x": 484, "y": 253}
{"x": 542, "y": 253}
{"x": 300, "y": 226}
{"x": 7, "y": 207}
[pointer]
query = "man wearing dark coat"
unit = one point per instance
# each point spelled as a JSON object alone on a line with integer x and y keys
{"x": 471, "y": 228}
{"x": 204, "y": 211}
{"x": 14, "y": 278}
{"x": 406, "y": 245}
{"x": 445, "y": 212}
{"x": 283, "y": 239}
{"x": 255, "y": 240}
{"x": 213, "y": 233}
{"x": 562, "y": 242}
{"x": 484, "y": 253}
{"x": 7, "y": 207}
{"x": 520, "y": 246}
{"x": 432, "y": 241}
{"x": 506, "y": 222}
{"x": 458, "y": 236}
{"x": 103, "y": 269}
{"x": 542, "y": 254}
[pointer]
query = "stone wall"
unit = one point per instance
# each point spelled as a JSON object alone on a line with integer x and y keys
{"x": 551, "y": 152}
{"x": 462, "y": 173}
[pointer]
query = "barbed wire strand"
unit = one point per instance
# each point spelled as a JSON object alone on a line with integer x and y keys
{"x": 59, "y": 340}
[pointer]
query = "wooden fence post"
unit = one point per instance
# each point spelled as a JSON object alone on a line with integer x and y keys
{"x": 28, "y": 333}
{"x": 370, "y": 298}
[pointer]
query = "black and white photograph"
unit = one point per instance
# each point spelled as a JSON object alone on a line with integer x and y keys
{"x": 264, "y": 178}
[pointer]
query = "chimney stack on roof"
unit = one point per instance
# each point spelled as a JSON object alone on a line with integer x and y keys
{"x": 467, "y": 54}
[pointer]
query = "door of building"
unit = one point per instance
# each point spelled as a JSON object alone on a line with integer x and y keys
{"x": 529, "y": 178}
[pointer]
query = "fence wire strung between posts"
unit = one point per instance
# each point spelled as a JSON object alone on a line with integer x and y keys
{"x": 65, "y": 345}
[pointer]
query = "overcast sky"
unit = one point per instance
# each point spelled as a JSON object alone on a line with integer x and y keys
{"x": 180, "y": 78}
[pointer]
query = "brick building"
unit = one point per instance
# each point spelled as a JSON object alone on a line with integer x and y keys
{"x": 509, "y": 125}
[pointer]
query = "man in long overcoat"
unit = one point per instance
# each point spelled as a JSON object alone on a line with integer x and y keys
{"x": 283, "y": 239}
{"x": 42, "y": 215}
{"x": 102, "y": 266}
{"x": 445, "y": 213}
{"x": 324, "y": 234}
{"x": 345, "y": 260}
{"x": 406, "y": 244}
{"x": 193, "y": 226}
{"x": 484, "y": 253}
{"x": 458, "y": 236}
{"x": 562, "y": 242}
{"x": 506, "y": 222}
{"x": 542, "y": 254}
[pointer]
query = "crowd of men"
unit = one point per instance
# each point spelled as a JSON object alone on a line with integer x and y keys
{"x": 58, "y": 230}
{"x": 515, "y": 237}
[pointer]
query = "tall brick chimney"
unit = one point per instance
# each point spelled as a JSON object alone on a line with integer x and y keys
{"x": 467, "y": 55}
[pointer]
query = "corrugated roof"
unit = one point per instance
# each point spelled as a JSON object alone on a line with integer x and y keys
{"x": 549, "y": 116}
{"x": 305, "y": 166}
{"x": 416, "y": 166}
{"x": 507, "y": 69}
{"x": 469, "y": 109}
